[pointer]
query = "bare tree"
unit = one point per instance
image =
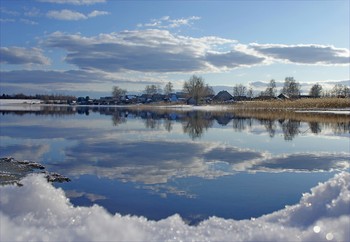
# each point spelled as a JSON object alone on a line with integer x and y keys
{"x": 250, "y": 93}
{"x": 239, "y": 90}
{"x": 291, "y": 87}
{"x": 169, "y": 88}
{"x": 118, "y": 92}
{"x": 341, "y": 90}
{"x": 209, "y": 91}
{"x": 271, "y": 89}
{"x": 315, "y": 90}
{"x": 151, "y": 89}
{"x": 195, "y": 88}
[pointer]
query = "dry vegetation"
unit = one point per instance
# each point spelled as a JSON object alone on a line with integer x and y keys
{"x": 287, "y": 115}
{"x": 310, "y": 103}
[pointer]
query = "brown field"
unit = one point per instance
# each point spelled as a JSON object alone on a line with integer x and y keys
{"x": 310, "y": 103}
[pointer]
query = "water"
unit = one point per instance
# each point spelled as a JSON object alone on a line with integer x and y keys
{"x": 196, "y": 164}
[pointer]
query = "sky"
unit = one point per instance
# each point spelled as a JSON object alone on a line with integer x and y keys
{"x": 85, "y": 47}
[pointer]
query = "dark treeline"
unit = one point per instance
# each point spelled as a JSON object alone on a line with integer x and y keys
{"x": 39, "y": 96}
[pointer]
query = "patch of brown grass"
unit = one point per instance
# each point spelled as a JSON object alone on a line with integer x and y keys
{"x": 309, "y": 103}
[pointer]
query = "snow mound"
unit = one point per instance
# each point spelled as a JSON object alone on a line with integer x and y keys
{"x": 38, "y": 211}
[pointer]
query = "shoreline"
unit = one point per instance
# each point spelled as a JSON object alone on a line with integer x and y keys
{"x": 30, "y": 105}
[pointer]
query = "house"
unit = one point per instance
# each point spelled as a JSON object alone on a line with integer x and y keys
{"x": 144, "y": 98}
{"x": 158, "y": 97}
{"x": 222, "y": 96}
{"x": 191, "y": 101}
{"x": 241, "y": 98}
{"x": 283, "y": 96}
{"x": 172, "y": 97}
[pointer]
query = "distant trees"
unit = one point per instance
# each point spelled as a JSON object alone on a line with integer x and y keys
{"x": 291, "y": 87}
{"x": 117, "y": 92}
{"x": 316, "y": 90}
{"x": 271, "y": 89}
{"x": 250, "y": 93}
{"x": 340, "y": 90}
{"x": 239, "y": 90}
{"x": 169, "y": 88}
{"x": 196, "y": 88}
{"x": 152, "y": 89}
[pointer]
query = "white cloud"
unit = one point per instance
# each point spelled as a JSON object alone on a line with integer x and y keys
{"x": 96, "y": 13}
{"x": 321, "y": 215}
{"x": 5, "y": 11}
{"x": 65, "y": 14}
{"x": 20, "y": 55}
{"x": 68, "y": 15}
{"x": 74, "y": 2}
{"x": 32, "y": 12}
{"x": 166, "y": 22}
{"x": 149, "y": 51}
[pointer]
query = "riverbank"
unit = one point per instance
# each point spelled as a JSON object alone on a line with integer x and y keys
{"x": 316, "y": 105}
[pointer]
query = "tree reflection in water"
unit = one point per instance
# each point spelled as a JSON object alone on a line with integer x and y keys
{"x": 195, "y": 123}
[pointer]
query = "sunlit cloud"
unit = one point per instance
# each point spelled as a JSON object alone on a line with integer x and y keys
{"x": 148, "y": 51}
{"x": 20, "y": 56}
{"x": 166, "y": 22}
{"x": 68, "y": 15}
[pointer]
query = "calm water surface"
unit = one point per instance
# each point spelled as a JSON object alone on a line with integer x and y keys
{"x": 196, "y": 164}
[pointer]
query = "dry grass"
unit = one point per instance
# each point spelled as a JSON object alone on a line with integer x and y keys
{"x": 311, "y": 103}
{"x": 288, "y": 115}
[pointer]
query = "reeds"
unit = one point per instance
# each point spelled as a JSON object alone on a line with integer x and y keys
{"x": 301, "y": 104}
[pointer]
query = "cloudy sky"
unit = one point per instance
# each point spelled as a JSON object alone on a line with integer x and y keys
{"x": 87, "y": 46}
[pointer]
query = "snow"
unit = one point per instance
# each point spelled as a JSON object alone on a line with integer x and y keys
{"x": 19, "y": 101}
{"x": 19, "y": 105}
{"x": 38, "y": 211}
{"x": 330, "y": 111}
{"x": 199, "y": 108}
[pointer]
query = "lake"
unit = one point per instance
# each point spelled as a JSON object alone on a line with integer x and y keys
{"x": 198, "y": 164}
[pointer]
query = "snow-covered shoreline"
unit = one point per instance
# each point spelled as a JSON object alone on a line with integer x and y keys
{"x": 35, "y": 105}
{"x": 321, "y": 215}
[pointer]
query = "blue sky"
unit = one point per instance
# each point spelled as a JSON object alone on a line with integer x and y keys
{"x": 88, "y": 46}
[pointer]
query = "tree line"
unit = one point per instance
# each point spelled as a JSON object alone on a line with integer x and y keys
{"x": 196, "y": 88}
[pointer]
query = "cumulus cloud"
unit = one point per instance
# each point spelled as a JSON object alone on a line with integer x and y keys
{"x": 20, "y": 56}
{"x": 304, "y": 54}
{"x": 68, "y": 15}
{"x": 74, "y": 2}
{"x": 149, "y": 51}
{"x": 321, "y": 215}
{"x": 137, "y": 161}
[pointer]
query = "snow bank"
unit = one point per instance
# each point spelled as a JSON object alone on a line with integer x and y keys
{"x": 193, "y": 107}
{"x": 330, "y": 111}
{"x": 19, "y": 101}
{"x": 38, "y": 211}
{"x": 19, "y": 105}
